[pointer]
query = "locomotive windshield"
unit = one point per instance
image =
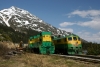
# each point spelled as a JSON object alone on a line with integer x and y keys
{"x": 69, "y": 38}
{"x": 74, "y": 38}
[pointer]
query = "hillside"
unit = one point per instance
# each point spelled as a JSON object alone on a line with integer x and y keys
{"x": 20, "y": 20}
{"x": 8, "y": 34}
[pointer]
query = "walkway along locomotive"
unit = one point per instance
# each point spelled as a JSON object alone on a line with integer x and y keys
{"x": 69, "y": 44}
{"x": 42, "y": 43}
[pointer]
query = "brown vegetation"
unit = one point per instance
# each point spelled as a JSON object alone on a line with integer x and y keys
{"x": 37, "y": 60}
{"x": 5, "y": 47}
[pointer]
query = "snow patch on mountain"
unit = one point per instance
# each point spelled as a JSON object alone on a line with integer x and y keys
{"x": 20, "y": 19}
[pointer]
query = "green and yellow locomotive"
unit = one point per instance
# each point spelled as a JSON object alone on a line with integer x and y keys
{"x": 42, "y": 43}
{"x": 69, "y": 44}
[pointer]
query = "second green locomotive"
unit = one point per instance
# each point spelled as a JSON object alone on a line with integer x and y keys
{"x": 42, "y": 43}
{"x": 69, "y": 44}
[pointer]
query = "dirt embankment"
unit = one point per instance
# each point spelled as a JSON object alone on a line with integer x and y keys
{"x": 8, "y": 44}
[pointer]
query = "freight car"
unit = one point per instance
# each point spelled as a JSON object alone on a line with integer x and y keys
{"x": 42, "y": 43}
{"x": 69, "y": 44}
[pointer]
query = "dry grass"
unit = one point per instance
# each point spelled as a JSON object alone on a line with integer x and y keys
{"x": 3, "y": 49}
{"x": 36, "y": 60}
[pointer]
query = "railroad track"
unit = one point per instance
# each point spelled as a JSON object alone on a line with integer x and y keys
{"x": 89, "y": 56}
{"x": 85, "y": 58}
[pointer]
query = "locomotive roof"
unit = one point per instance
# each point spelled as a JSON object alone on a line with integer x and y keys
{"x": 45, "y": 33}
{"x": 40, "y": 34}
{"x": 71, "y": 35}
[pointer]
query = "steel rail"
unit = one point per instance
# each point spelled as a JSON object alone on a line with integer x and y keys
{"x": 81, "y": 58}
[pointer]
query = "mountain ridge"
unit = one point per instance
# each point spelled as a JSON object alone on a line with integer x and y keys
{"x": 20, "y": 19}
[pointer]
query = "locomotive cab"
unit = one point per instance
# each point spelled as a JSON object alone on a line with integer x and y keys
{"x": 74, "y": 45}
{"x": 69, "y": 44}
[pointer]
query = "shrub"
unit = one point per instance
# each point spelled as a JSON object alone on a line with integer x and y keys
{"x": 3, "y": 49}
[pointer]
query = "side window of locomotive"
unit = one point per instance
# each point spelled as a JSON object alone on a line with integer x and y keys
{"x": 58, "y": 40}
{"x": 65, "y": 39}
{"x": 69, "y": 38}
{"x": 74, "y": 38}
{"x": 79, "y": 38}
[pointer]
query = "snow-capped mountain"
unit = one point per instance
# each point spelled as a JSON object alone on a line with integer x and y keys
{"x": 20, "y": 19}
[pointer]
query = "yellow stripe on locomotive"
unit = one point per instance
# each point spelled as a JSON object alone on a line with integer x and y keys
{"x": 74, "y": 41}
{"x": 42, "y": 43}
{"x": 46, "y": 38}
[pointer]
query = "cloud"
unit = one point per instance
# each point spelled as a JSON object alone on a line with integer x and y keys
{"x": 64, "y": 24}
{"x": 95, "y": 23}
{"x": 84, "y": 14}
{"x": 88, "y": 36}
{"x": 67, "y": 29}
{"x": 94, "y": 15}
